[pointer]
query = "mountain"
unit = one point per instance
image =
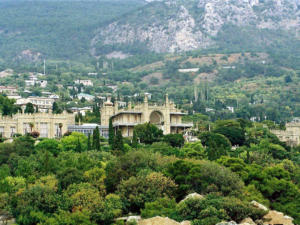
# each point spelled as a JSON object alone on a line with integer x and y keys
{"x": 57, "y": 29}
{"x": 184, "y": 25}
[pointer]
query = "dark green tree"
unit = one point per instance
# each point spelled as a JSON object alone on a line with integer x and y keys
{"x": 148, "y": 133}
{"x": 118, "y": 143}
{"x": 111, "y": 133}
{"x": 134, "y": 140}
{"x": 29, "y": 108}
{"x": 175, "y": 140}
{"x": 78, "y": 146}
{"x": 89, "y": 142}
{"x": 216, "y": 144}
{"x": 96, "y": 139}
{"x": 55, "y": 108}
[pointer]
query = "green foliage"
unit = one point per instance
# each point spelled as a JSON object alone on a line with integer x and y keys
{"x": 175, "y": 140}
{"x": 29, "y": 108}
{"x": 216, "y": 144}
{"x": 7, "y": 106}
{"x": 204, "y": 177}
{"x": 118, "y": 143}
{"x": 213, "y": 209}
{"x": 56, "y": 109}
{"x": 74, "y": 141}
{"x": 163, "y": 207}
{"x": 148, "y": 133}
{"x": 64, "y": 182}
{"x": 50, "y": 145}
{"x": 111, "y": 133}
{"x": 96, "y": 139}
{"x": 136, "y": 191}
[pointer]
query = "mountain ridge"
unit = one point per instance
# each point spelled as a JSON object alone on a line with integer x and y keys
{"x": 179, "y": 25}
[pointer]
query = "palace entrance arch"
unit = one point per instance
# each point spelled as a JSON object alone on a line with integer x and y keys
{"x": 157, "y": 118}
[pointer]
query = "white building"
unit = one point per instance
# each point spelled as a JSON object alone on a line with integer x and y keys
{"x": 84, "y": 82}
{"x": 85, "y": 96}
{"x": 9, "y": 90}
{"x": 44, "y": 104}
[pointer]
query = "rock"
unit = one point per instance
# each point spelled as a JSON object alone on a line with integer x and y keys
{"x": 133, "y": 218}
{"x": 227, "y": 223}
{"x": 258, "y": 205}
{"x": 247, "y": 221}
{"x": 161, "y": 221}
{"x": 273, "y": 217}
{"x": 185, "y": 223}
{"x": 173, "y": 25}
{"x": 193, "y": 195}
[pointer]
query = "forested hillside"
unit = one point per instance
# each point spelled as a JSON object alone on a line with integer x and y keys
{"x": 55, "y": 29}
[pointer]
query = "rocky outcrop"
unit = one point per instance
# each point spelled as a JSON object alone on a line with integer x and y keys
{"x": 247, "y": 221}
{"x": 273, "y": 217}
{"x": 176, "y": 25}
{"x": 161, "y": 221}
{"x": 258, "y": 205}
{"x": 193, "y": 195}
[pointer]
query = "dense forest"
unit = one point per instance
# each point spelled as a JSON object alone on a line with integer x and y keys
{"x": 81, "y": 180}
{"x": 234, "y": 92}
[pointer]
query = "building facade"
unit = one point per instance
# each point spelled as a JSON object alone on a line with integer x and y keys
{"x": 291, "y": 135}
{"x": 89, "y": 128}
{"x": 166, "y": 117}
{"x": 47, "y": 124}
{"x": 44, "y": 104}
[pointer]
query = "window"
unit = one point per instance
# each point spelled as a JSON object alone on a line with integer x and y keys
{"x": 26, "y": 128}
{"x": 56, "y": 130}
{"x": 12, "y": 131}
{"x": 2, "y": 131}
{"x": 44, "y": 129}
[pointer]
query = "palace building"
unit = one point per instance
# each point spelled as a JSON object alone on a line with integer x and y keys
{"x": 47, "y": 124}
{"x": 166, "y": 117}
{"x": 291, "y": 135}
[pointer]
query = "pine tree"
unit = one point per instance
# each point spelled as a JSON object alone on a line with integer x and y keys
{"x": 96, "y": 139}
{"x": 89, "y": 142}
{"x": 118, "y": 141}
{"x": 111, "y": 133}
{"x": 134, "y": 140}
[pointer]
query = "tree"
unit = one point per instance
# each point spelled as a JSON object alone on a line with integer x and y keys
{"x": 164, "y": 207}
{"x": 134, "y": 140}
{"x": 175, "y": 140}
{"x": 148, "y": 133}
{"x": 78, "y": 146}
{"x": 96, "y": 139}
{"x": 29, "y": 108}
{"x": 50, "y": 145}
{"x": 55, "y": 108}
{"x": 216, "y": 144}
{"x": 118, "y": 141}
{"x": 89, "y": 145}
{"x": 136, "y": 191}
{"x": 7, "y": 106}
{"x": 70, "y": 142}
{"x": 111, "y": 133}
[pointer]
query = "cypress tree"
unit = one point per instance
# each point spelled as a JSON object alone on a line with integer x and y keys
{"x": 78, "y": 146}
{"x": 134, "y": 140}
{"x": 89, "y": 142}
{"x": 111, "y": 133}
{"x": 118, "y": 141}
{"x": 96, "y": 139}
